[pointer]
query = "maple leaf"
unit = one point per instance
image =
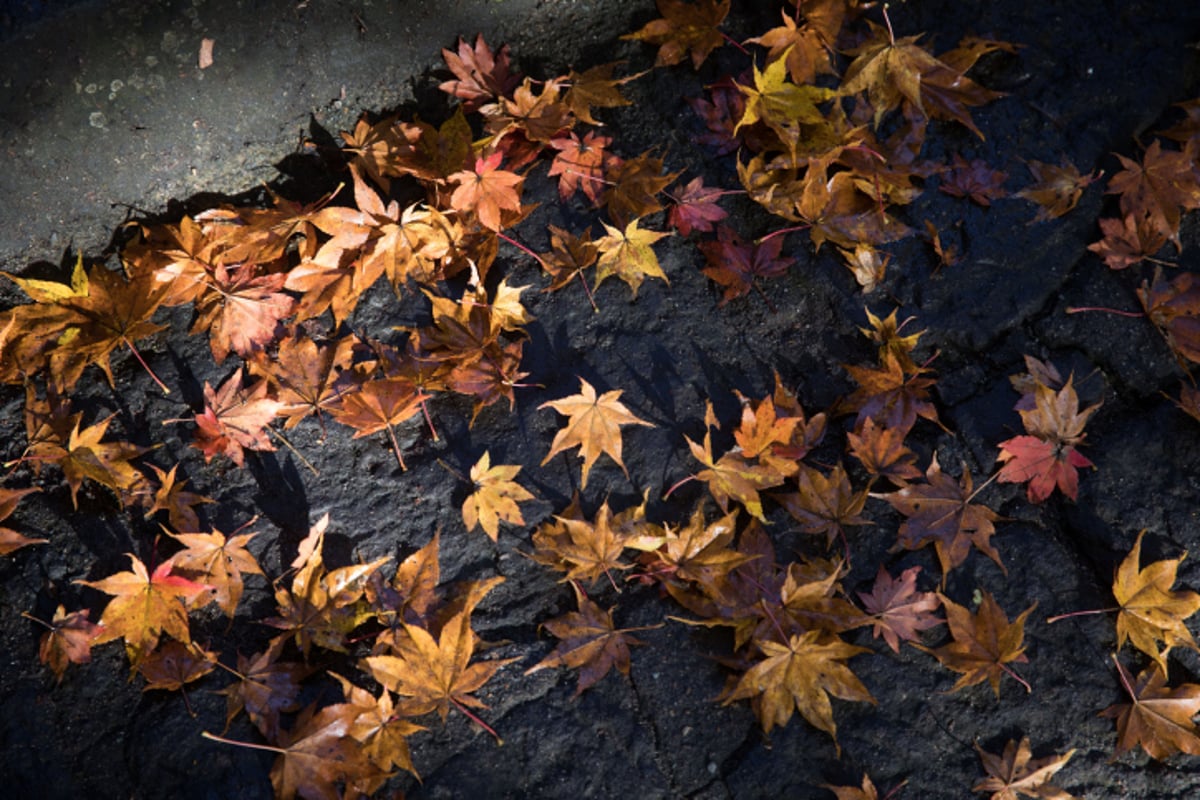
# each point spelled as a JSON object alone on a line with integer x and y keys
{"x": 436, "y": 673}
{"x": 412, "y": 592}
{"x": 589, "y": 642}
{"x": 782, "y": 106}
{"x": 494, "y": 497}
{"x": 173, "y": 664}
{"x": 806, "y": 49}
{"x": 265, "y": 688}
{"x": 114, "y": 311}
{"x": 628, "y": 255}
{"x": 67, "y": 640}
{"x": 737, "y": 266}
{"x": 720, "y": 115}
{"x": 144, "y": 605}
{"x": 315, "y": 756}
{"x": 218, "y": 562}
{"x": 60, "y": 438}
{"x": 898, "y": 611}
{"x": 580, "y": 164}
{"x": 984, "y": 643}
{"x": 941, "y": 511}
{"x": 535, "y": 117}
{"x": 378, "y": 405}
{"x": 1047, "y": 457}
{"x": 583, "y": 550}
{"x": 825, "y": 503}
{"x": 594, "y": 423}
{"x": 569, "y": 256}
{"x": 867, "y": 264}
{"x": 1174, "y": 308}
{"x": 698, "y": 552}
{"x": 1149, "y": 611}
{"x": 10, "y": 540}
{"x": 235, "y": 419}
{"x": 172, "y": 497}
{"x": 883, "y": 454}
{"x": 487, "y": 190}
{"x": 634, "y": 189}
{"x": 694, "y": 208}
{"x": 322, "y": 606}
{"x": 1056, "y": 189}
{"x": 975, "y": 180}
{"x": 1159, "y": 718}
{"x": 241, "y": 309}
{"x": 684, "y": 29}
{"x": 1162, "y": 186}
{"x": 1127, "y": 241}
{"x": 891, "y": 395}
{"x": 898, "y": 71}
{"x": 480, "y": 74}
{"x": 303, "y": 374}
{"x": 801, "y": 675}
{"x": 380, "y": 726}
{"x": 732, "y": 477}
{"x": 865, "y": 792}
{"x": 597, "y": 88}
{"x": 1017, "y": 774}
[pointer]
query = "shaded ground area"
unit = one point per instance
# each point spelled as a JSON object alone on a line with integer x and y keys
{"x": 81, "y": 156}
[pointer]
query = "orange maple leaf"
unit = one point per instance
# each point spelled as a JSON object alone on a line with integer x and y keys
{"x": 487, "y": 190}
{"x": 1159, "y": 718}
{"x": 1047, "y": 457}
{"x": 144, "y": 606}
{"x": 594, "y": 423}
{"x": 589, "y": 642}
{"x": 218, "y": 562}
{"x": 684, "y": 28}
{"x": 235, "y": 419}
{"x": 984, "y": 643}
{"x": 494, "y": 498}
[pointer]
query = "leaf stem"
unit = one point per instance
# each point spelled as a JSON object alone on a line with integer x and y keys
{"x": 396, "y": 446}
{"x": 145, "y": 366}
{"x": 236, "y": 743}
{"x": 1103, "y": 309}
{"x": 1017, "y": 678}
{"x": 1088, "y": 612}
{"x": 289, "y": 446}
{"x": 523, "y": 248}
{"x": 474, "y": 718}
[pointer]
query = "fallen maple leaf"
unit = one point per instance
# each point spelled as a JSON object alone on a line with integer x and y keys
{"x": 67, "y": 640}
{"x": 235, "y": 419}
{"x": 1056, "y": 189}
{"x": 589, "y": 642}
{"x": 801, "y": 675}
{"x": 883, "y": 453}
{"x": 583, "y": 550}
{"x": 174, "y": 664}
{"x": 144, "y": 605}
{"x": 684, "y": 28}
{"x": 80, "y": 452}
{"x": 494, "y": 498}
{"x": 481, "y": 75}
{"x": 736, "y": 265}
{"x": 1017, "y": 774}
{"x": 1174, "y": 308}
{"x": 378, "y": 405}
{"x": 694, "y": 208}
{"x": 172, "y": 497}
{"x": 806, "y": 49}
{"x": 975, "y": 180}
{"x": 984, "y": 643}
{"x": 218, "y": 562}
{"x": 265, "y": 688}
{"x": 380, "y": 726}
{"x": 580, "y": 164}
{"x": 825, "y": 503}
{"x": 898, "y": 611}
{"x": 628, "y": 254}
{"x": 596, "y": 87}
{"x": 1159, "y": 718}
{"x": 487, "y": 190}
{"x": 1162, "y": 186}
{"x": 1047, "y": 457}
{"x": 594, "y": 423}
{"x": 1149, "y": 611}
{"x": 1127, "y": 241}
{"x": 941, "y": 511}
{"x": 865, "y": 792}
{"x": 436, "y": 673}
{"x": 732, "y": 477}
{"x": 241, "y": 308}
{"x": 10, "y": 540}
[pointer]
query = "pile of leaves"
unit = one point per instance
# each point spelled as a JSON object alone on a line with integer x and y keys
{"x": 826, "y": 131}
